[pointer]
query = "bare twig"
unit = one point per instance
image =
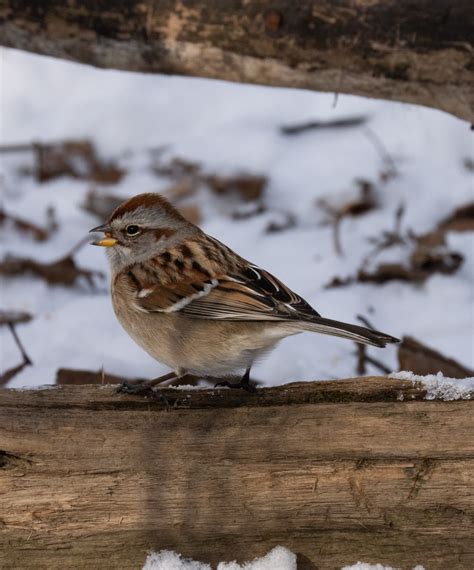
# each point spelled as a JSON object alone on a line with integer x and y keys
{"x": 365, "y": 322}
{"x": 14, "y": 317}
{"x": 26, "y": 358}
{"x": 11, "y": 372}
{"x": 377, "y": 364}
{"x": 363, "y": 358}
{"x": 320, "y": 125}
{"x": 12, "y": 148}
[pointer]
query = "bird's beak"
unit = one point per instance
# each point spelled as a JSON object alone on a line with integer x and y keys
{"x": 108, "y": 240}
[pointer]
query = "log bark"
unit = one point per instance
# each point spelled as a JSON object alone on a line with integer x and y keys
{"x": 418, "y": 52}
{"x": 363, "y": 469}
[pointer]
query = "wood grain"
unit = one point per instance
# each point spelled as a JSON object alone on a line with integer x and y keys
{"x": 361, "y": 469}
{"x": 419, "y": 52}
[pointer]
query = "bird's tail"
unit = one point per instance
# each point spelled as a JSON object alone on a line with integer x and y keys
{"x": 346, "y": 330}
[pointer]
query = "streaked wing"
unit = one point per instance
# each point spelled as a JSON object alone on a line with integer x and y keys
{"x": 173, "y": 297}
{"x": 247, "y": 294}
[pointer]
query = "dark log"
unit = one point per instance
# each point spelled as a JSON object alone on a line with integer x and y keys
{"x": 361, "y": 469}
{"x": 418, "y": 52}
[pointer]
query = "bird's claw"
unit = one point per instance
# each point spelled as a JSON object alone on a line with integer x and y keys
{"x": 134, "y": 388}
{"x": 237, "y": 385}
{"x": 142, "y": 389}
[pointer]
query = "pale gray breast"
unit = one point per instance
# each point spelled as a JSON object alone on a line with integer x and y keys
{"x": 153, "y": 332}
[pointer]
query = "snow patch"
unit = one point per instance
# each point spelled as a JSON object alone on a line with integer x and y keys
{"x": 169, "y": 560}
{"x": 440, "y": 387}
{"x": 279, "y": 558}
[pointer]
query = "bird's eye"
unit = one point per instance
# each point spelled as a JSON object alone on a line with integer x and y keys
{"x": 132, "y": 230}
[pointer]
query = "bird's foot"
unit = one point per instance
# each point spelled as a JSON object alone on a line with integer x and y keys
{"x": 242, "y": 384}
{"x": 135, "y": 388}
{"x": 142, "y": 388}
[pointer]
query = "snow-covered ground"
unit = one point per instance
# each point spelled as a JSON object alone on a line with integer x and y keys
{"x": 231, "y": 129}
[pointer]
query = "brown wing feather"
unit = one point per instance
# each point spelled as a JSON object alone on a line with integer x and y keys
{"x": 248, "y": 294}
{"x": 172, "y": 298}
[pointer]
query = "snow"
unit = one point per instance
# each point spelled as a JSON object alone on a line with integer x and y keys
{"x": 440, "y": 387}
{"x": 168, "y": 560}
{"x": 231, "y": 129}
{"x": 280, "y": 558}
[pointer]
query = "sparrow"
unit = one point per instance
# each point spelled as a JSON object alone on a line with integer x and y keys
{"x": 194, "y": 304}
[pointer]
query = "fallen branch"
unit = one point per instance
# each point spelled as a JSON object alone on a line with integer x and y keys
{"x": 104, "y": 478}
{"x": 414, "y": 52}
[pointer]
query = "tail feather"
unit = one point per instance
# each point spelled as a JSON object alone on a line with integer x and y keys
{"x": 351, "y": 332}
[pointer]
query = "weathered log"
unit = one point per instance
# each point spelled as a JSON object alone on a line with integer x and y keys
{"x": 363, "y": 469}
{"x": 418, "y": 52}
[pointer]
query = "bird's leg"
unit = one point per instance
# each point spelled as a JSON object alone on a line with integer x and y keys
{"x": 161, "y": 379}
{"x": 244, "y": 382}
{"x": 143, "y": 387}
{"x": 183, "y": 379}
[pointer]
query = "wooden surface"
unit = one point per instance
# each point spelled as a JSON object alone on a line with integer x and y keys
{"x": 363, "y": 469}
{"x": 420, "y": 52}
